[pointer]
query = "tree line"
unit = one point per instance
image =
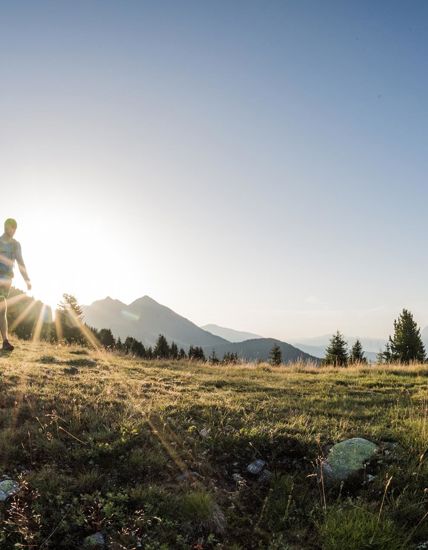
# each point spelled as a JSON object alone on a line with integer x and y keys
{"x": 69, "y": 327}
{"x": 404, "y": 346}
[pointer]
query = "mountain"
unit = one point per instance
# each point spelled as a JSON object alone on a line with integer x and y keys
{"x": 230, "y": 334}
{"x": 145, "y": 319}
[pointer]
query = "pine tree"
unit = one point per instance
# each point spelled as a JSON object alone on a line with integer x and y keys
{"x": 357, "y": 354}
{"x": 275, "y": 355}
{"x": 337, "y": 351}
{"x": 182, "y": 354}
{"x": 161, "y": 350}
{"x": 385, "y": 356}
{"x": 106, "y": 338}
{"x": 406, "y": 344}
{"x": 213, "y": 357}
{"x": 174, "y": 351}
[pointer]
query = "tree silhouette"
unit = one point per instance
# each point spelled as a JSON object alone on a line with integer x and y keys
{"x": 337, "y": 351}
{"x": 357, "y": 354}
{"x": 406, "y": 344}
{"x": 275, "y": 355}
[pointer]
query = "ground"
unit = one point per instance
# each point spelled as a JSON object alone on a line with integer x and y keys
{"x": 154, "y": 455}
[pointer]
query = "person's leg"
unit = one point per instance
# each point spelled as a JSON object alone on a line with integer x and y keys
{"x": 3, "y": 319}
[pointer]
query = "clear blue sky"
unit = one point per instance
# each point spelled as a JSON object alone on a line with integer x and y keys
{"x": 260, "y": 165}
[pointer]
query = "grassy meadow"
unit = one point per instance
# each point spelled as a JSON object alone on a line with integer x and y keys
{"x": 153, "y": 454}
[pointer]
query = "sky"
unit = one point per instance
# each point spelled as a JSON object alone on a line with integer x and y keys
{"x": 258, "y": 165}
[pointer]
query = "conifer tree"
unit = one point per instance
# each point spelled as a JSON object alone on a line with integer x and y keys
{"x": 406, "y": 344}
{"x": 337, "y": 351}
{"x": 174, "y": 351}
{"x": 213, "y": 357}
{"x": 161, "y": 349}
{"x": 275, "y": 355}
{"x": 357, "y": 354}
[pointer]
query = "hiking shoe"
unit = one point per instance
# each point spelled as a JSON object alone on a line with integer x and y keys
{"x": 7, "y": 346}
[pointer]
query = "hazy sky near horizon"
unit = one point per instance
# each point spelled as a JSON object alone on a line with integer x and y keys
{"x": 259, "y": 165}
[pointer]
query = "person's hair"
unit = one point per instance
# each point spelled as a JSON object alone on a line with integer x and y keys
{"x": 10, "y": 222}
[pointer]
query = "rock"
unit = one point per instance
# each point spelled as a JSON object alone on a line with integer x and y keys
{"x": 92, "y": 541}
{"x": 204, "y": 432}
{"x": 265, "y": 476}
{"x": 8, "y": 488}
{"x": 256, "y": 467}
{"x": 347, "y": 458}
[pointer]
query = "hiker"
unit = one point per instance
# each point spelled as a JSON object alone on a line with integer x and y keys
{"x": 10, "y": 250}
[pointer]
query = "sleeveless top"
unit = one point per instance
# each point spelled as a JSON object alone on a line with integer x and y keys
{"x": 8, "y": 254}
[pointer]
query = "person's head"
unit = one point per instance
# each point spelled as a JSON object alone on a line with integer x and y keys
{"x": 10, "y": 226}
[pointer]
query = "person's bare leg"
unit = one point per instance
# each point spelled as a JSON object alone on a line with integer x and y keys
{"x": 3, "y": 320}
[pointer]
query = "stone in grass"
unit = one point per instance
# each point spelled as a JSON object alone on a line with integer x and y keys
{"x": 8, "y": 488}
{"x": 256, "y": 467}
{"x": 347, "y": 458}
{"x": 94, "y": 541}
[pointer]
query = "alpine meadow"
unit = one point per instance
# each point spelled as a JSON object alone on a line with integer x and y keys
{"x": 213, "y": 299}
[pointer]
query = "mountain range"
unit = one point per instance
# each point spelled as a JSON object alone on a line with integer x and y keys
{"x": 144, "y": 319}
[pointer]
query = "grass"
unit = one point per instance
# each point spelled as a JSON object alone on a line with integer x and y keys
{"x": 146, "y": 453}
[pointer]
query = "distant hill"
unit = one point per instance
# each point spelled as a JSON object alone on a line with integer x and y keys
{"x": 259, "y": 349}
{"x": 145, "y": 319}
{"x": 229, "y": 333}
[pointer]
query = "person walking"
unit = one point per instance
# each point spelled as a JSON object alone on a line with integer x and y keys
{"x": 10, "y": 251}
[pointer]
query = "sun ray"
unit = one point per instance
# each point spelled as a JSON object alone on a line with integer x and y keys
{"x": 58, "y": 328}
{"x": 23, "y": 315}
{"x": 39, "y": 325}
{"x": 12, "y": 301}
{"x": 86, "y": 333}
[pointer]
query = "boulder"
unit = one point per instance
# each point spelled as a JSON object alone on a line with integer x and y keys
{"x": 347, "y": 458}
{"x": 94, "y": 541}
{"x": 8, "y": 488}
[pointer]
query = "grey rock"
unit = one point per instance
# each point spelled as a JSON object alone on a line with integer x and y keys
{"x": 347, "y": 458}
{"x": 238, "y": 478}
{"x": 8, "y": 488}
{"x": 256, "y": 466}
{"x": 93, "y": 541}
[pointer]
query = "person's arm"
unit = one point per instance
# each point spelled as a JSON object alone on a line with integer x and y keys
{"x": 21, "y": 266}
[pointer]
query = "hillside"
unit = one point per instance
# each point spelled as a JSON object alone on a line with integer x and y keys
{"x": 259, "y": 349}
{"x": 230, "y": 334}
{"x": 145, "y": 319}
{"x": 155, "y": 455}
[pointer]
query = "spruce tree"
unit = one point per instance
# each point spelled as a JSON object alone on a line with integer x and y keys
{"x": 275, "y": 355}
{"x": 213, "y": 357}
{"x": 357, "y": 354}
{"x": 161, "y": 349}
{"x": 337, "y": 351}
{"x": 406, "y": 344}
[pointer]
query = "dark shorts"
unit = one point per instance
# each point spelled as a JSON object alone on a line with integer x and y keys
{"x": 5, "y": 284}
